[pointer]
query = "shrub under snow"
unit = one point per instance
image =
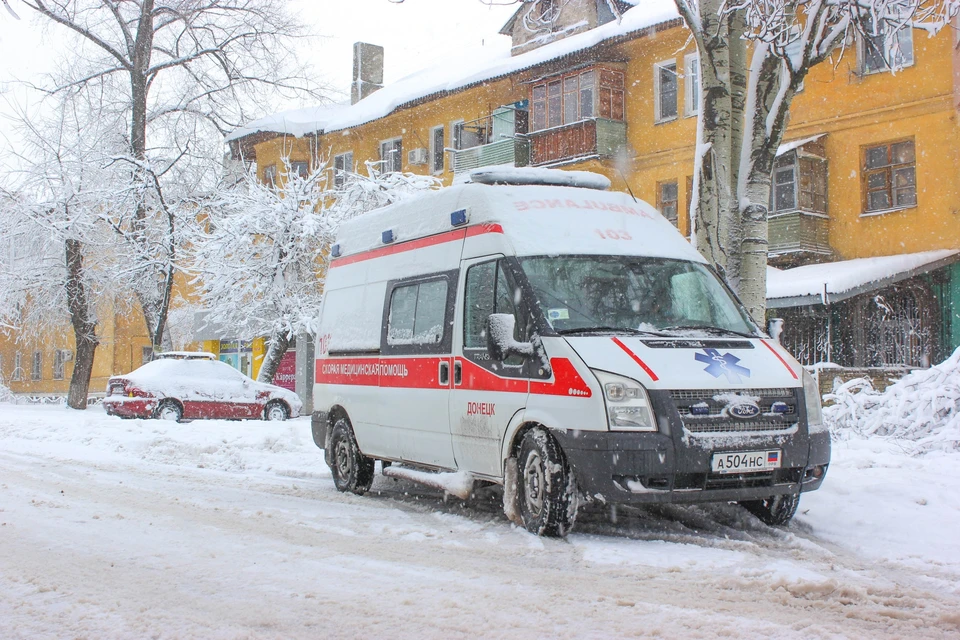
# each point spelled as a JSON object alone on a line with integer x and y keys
{"x": 922, "y": 409}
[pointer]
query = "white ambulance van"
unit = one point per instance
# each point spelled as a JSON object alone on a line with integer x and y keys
{"x": 531, "y": 329}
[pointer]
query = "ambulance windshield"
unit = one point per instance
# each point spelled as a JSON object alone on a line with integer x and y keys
{"x": 633, "y": 294}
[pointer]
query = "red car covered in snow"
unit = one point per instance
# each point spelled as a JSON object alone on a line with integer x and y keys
{"x": 186, "y": 388}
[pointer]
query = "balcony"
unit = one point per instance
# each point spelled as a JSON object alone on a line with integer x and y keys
{"x": 798, "y": 227}
{"x": 797, "y": 236}
{"x": 577, "y": 141}
{"x": 511, "y": 151}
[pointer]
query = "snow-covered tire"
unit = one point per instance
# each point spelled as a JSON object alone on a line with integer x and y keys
{"x": 352, "y": 471}
{"x": 276, "y": 410}
{"x": 169, "y": 410}
{"x": 775, "y": 510}
{"x": 546, "y": 489}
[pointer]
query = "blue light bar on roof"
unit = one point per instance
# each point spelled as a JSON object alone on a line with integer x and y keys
{"x": 387, "y": 236}
{"x": 335, "y": 251}
{"x": 458, "y": 217}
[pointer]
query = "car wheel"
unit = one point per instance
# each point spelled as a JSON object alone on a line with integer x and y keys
{"x": 169, "y": 410}
{"x": 276, "y": 410}
{"x": 546, "y": 489}
{"x": 352, "y": 471}
{"x": 775, "y": 510}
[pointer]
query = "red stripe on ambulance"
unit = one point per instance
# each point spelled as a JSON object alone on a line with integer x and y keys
{"x": 419, "y": 243}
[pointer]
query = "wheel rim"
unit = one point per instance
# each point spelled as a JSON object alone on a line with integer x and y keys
{"x": 533, "y": 484}
{"x": 343, "y": 459}
{"x": 275, "y": 413}
{"x": 169, "y": 413}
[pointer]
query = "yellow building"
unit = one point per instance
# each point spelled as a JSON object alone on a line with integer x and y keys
{"x": 866, "y": 180}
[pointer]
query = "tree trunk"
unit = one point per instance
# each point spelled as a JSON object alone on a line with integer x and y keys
{"x": 84, "y": 327}
{"x": 279, "y": 343}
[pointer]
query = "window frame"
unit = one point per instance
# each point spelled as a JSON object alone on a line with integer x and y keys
{"x": 661, "y": 202}
{"x": 862, "y": 44}
{"x": 691, "y": 102}
{"x": 345, "y": 160}
{"x": 36, "y": 367}
{"x": 436, "y": 153}
{"x": 889, "y": 170}
{"x": 297, "y": 165}
{"x": 270, "y": 175}
{"x": 397, "y": 144}
{"x": 605, "y": 83}
{"x": 59, "y": 364}
{"x": 658, "y": 67}
{"x": 445, "y": 346}
{"x": 17, "y": 373}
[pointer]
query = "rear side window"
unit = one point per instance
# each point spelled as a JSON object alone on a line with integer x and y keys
{"x": 418, "y": 316}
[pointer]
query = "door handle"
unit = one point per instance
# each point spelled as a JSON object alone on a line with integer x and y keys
{"x": 457, "y": 373}
{"x": 443, "y": 376}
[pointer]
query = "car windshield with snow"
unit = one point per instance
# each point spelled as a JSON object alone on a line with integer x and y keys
{"x": 196, "y": 387}
{"x": 532, "y": 329}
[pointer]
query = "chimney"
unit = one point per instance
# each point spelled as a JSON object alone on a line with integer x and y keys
{"x": 367, "y": 70}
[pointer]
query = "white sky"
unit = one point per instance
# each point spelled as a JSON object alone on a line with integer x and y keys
{"x": 415, "y": 34}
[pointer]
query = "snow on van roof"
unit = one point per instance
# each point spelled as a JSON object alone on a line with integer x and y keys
{"x": 536, "y": 220}
{"x": 456, "y": 73}
{"x": 536, "y": 175}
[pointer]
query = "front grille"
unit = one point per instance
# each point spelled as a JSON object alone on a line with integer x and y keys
{"x": 715, "y": 426}
{"x": 704, "y": 394}
{"x": 740, "y": 481}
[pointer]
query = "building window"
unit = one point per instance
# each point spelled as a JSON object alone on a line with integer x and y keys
{"x": 880, "y": 52}
{"x": 799, "y": 182}
{"x": 784, "y": 187}
{"x": 36, "y": 373}
{"x": 58, "y": 361}
{"x": 17, "y": 367}
{"x": 302, "y": 169}
{"x": 437, "y": 142}
{"x": 889, "y": 176}
{"x": 391, "y": 155}
{"x": 576, "y": 96}
{"x": 691, "y": 84}
{"x": 667, "y": 200}
{"x": 665, "y": 90}
{"x": 270, "y": 175}
{"x": 342, "y": 166}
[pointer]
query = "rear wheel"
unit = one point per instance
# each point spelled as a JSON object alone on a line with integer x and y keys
{"x": 775, "y": 510}
{"x": 169, "y": 410}
{"x": 546, "y": 489}
{"x": 276, "y": 410}
{"x": 352, "y": 471}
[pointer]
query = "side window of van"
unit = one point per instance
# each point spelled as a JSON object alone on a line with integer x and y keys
{"x": 489, "y": 289}
{"x": 419, "y": 315}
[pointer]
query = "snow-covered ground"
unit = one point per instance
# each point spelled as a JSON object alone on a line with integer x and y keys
{"x": 115, "y": 528}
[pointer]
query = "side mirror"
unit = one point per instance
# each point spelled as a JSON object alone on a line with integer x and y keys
{"x": 500, "y": 342}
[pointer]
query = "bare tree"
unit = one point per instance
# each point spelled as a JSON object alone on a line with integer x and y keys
{"x": 259, "y": 252}
{"x": 183, "y": 72}
{"x": 60, "y": 261}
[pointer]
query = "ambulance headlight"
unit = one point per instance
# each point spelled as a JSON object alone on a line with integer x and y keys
{"x": 811, "y": 396}
{"x": 627, "y": 403}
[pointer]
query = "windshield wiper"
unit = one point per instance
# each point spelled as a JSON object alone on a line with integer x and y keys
{"x": 602, "y": 329}
{"x": 708, "y": 329}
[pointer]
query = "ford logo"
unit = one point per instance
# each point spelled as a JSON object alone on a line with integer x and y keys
{"x": 744, "y": 410}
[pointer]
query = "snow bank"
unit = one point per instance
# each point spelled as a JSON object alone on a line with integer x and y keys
{"x": 922, "y": 409}
{"x": 5, "y": 394}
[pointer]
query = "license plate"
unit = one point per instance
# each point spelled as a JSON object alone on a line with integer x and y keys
{"x": 745, "y": 461}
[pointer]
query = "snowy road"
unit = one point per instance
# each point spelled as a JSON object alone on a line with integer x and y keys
{"x": 147, "y": 529}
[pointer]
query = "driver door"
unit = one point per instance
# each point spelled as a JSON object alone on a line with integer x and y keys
{"x": 486, "y": 394}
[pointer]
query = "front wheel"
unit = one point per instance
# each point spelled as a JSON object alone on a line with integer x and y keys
{"x": 546, "y": 489}
{"x": 352, "y": 471}
{"x": 275, "y": 410}
{"x": 775, "y": 510}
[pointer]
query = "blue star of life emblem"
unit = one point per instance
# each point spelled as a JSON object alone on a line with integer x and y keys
{"x": 723, "y": 365}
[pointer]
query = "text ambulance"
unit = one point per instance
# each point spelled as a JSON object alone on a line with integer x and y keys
{"x": 533, "y": 330}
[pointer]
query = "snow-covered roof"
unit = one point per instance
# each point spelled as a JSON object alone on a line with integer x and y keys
{"x": 295, "y": 122}
{"x": 836, "y": 281}
{"x": 456, "y": 73}
{"x": 787, "y": 147}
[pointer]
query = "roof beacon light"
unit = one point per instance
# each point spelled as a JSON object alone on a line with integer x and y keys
{"x": 387, "y": 236}
{"x": 335, "y": 250}
{"x": 458, "y": 218}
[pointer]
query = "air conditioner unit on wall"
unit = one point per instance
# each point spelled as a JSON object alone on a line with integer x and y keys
{"x": 417, "y": 156}
{"x": 66, "y": 355}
